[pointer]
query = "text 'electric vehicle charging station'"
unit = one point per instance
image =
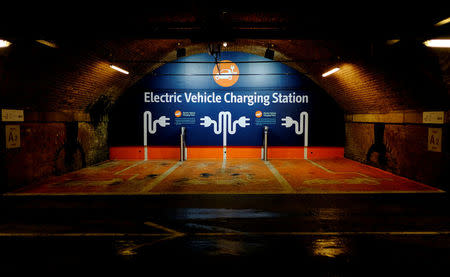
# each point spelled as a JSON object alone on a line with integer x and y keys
{"x": 220, "y": 105}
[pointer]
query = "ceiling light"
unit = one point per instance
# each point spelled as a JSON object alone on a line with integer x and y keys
{"x": 439, "y": 43}
{"x": 119, "y": 69}
{"x": 225, "y": 44}
{"x": 331, "y": 72}
{"x": 392, "y": 41}
{"x": 442, "y": 22}
{"x": 47, "y": 43}
{"x": 4, "y": 43}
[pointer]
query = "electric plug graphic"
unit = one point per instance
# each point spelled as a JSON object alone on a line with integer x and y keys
{"x": 288, "y": 121}
{"x": 163, "y": 121}
{"x": 150, "y": 127}
{"x": 224, "y": 125}
{"x": 301, "y": 127}
{"x": 243, "y": 121}
{"x": 206, "y": 121}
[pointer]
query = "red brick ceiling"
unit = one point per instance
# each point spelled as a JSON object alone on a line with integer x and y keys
{"x": 374, "y": 76}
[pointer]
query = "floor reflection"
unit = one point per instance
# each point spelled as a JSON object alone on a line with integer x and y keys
{"x": 329, "y": 247}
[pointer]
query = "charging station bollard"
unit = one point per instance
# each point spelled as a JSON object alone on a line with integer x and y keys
{"x": 266, "y": 130}
{"x": 182, "y": 143}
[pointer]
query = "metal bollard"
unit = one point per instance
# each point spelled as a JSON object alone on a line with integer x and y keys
{"x": 266, "y": 130}
{"x": 182, "y": 143}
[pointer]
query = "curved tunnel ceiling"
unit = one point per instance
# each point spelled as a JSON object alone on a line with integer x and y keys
{"x": 73, "y": 76}
{"x": 375, "y": 77}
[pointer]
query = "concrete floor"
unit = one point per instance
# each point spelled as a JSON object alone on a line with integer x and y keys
{"x": 269, "y": 235}
{"x": 235, "y": 176}
{"x": 324, "y": 217}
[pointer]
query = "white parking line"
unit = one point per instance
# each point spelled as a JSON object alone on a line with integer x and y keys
{"x": 333, "y": 172}
{"x": 161, "y": 177}
{"x": 287, "y": 187}
{"x": 131, "y": 166}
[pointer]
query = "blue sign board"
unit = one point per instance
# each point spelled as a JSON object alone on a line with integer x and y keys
{"x": 225, "y": 103}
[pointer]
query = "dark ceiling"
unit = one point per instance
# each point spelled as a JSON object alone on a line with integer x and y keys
{"x": 223, "y": 20}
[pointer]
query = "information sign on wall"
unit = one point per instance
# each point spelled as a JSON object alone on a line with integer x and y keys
{"x": 435, "y": 139}
{"x": 12, "y": 136}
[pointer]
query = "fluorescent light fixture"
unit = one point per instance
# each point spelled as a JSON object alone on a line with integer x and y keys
{"x": 392, "y": 41}
{"x": 119, "y": 69}
{"x": 4, "y": 43}
{"x": 442, "y": 22}
{"x": 47, "y": 43}
{"x": 438, "y": 43}
{"x": 331, "y": 72}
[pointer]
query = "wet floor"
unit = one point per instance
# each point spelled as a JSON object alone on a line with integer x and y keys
{"x": 316, "y": 235}
{"x": 319, "y": 256}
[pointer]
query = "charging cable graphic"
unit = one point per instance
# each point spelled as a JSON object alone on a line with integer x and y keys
{"x": 300, "y": 128}
{"x": 151, "y": 126}
{"x": 225, "y": 126}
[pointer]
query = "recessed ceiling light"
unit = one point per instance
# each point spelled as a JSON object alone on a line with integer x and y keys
{"x": 4, "y": 43}
{"x": 442, "y": 22}
{"x": 438, "y": 43}
{"x": 331, "y": 72}
{"x": 119, "y": 69}
{"x": 47, "y": 43}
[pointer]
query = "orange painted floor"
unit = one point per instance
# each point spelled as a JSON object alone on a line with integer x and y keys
{"x": 214, "y": 176}
{"x": 235, "y": 176}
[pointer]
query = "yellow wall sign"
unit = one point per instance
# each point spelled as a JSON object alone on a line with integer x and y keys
{"x": 12, "y": 115}
{"x": 12, "y": 136}
{"x": 435, "y": 139}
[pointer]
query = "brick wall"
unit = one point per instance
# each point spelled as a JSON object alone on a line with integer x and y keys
{"x": 75, "y": 76}
{"x": 406, "y": 149}
{"x": 52, "y": 144}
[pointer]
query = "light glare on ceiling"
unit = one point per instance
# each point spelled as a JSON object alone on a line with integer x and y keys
{"x": 442, "y": 22}
{"x": 331, "y": 72}
{"x": 4, "y": 43}
{"x": 438, "y": 43}
{"x": 47, "y": 43}
{"x": 119, "y": 69}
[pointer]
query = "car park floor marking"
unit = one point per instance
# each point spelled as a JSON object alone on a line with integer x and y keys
{"x": 333, "y": 172}
{"x": 285, "y": 184}
{"x": 366, "y": 176}
{"x": 319, "y": 166}
{"x": 131, "y": 166}
{"x": 168, "y": 230}
{"x": 165, "y": 236}
{"x": 273, "y": 193}
{"x": 343, "y": 233}
{"x": 161, "y": 177}
{"x": 131, "y": 250}
{"x": 85, "y": 235}
{"x": 224, "y": 164}
{"x": 134, "y": 176}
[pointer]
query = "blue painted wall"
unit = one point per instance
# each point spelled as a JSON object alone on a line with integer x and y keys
{"x": 177, "y": 83}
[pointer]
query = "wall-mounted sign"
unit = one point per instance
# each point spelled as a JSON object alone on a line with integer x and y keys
{"x": 435, "y": 139}
{"x": 433, "y": 117}
{"x": 9, "y": 115}
{"x": 12, "y": 136}
{"x": 223, "y": 104}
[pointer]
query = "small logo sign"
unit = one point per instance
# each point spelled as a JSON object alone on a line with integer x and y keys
{"x": 12, "y": 136}
{"x": 435, "y": 139}
{"x": 226, "y": 73}
{"x": 258, "y": 114}
{"x": 177, "y": 113}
